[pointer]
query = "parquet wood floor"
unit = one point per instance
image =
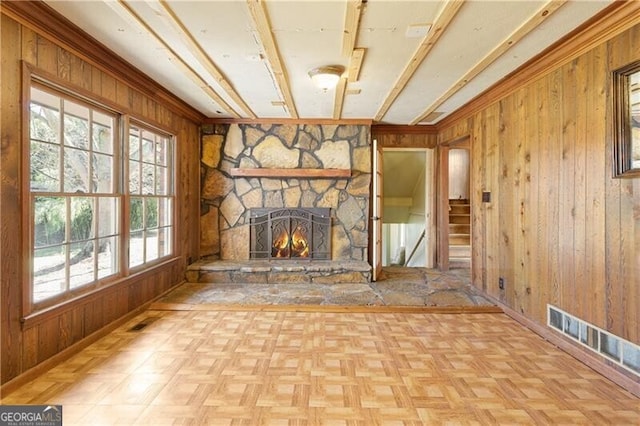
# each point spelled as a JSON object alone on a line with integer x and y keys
{"x": 326, "y": 368}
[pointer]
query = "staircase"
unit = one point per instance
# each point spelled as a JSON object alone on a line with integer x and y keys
{"x": 459, "y": 233}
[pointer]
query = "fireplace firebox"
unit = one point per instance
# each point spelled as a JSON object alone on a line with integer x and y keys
{"x": 290, "y": 234}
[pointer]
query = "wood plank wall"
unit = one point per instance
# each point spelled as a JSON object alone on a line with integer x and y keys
{"x": 23, "y": 346}
{"x": 389, "y": 136}
{"x": 559, "y": 228}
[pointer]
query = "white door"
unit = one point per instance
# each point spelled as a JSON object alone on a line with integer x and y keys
{"x": 377, "y": 211}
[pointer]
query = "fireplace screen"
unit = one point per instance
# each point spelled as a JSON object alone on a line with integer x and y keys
{"x": 290, "y": 233}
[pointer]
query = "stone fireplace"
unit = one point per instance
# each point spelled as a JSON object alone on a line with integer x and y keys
{"x": 248, "y": 170}
{"x": 290, "y": 234}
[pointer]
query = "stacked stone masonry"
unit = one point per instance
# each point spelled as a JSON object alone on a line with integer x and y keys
{"x": 226, "y": 200}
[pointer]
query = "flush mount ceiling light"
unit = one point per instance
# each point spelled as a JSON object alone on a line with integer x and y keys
{"x": 326, "y": 77}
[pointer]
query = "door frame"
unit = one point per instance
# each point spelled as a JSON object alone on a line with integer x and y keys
{"x": 376, "y": 211}
{"x": 442, "y": 208}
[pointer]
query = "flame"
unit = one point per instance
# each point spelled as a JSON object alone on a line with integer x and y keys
{"x": 281, "y": 245}
{"x": 295, "y": 245}
{"x": 299, "y": 243}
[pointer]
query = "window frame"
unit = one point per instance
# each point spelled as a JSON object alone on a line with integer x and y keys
{"x": 50, "y": 83}
{"x": 170, "y": 193}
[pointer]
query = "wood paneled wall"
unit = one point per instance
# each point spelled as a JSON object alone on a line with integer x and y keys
{"x": 23, "y": 346}
{"x": 558, "y": 228}
{"x": 391, "y": 136}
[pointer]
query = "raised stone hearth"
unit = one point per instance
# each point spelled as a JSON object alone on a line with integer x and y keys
{"x": 279, "y": 272}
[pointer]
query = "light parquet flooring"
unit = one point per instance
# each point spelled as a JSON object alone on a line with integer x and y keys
{"x": 322, "y": 368}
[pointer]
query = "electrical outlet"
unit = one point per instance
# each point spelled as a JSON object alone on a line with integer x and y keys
{"x": 501, "y": 283}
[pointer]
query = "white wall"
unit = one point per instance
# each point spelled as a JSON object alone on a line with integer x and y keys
{"x": 459, "y": 174}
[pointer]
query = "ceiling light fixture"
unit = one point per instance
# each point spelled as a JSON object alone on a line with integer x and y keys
{"x": 326, "y": 77}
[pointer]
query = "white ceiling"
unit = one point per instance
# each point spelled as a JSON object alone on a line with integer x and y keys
{"x": 216, "y": 55}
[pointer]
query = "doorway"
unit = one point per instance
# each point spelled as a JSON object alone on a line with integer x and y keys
{"x": 408, "y": 196}
{"x": 454, "y": 205}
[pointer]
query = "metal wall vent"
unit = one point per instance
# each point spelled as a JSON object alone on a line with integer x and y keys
{"x": 616, "y": 349}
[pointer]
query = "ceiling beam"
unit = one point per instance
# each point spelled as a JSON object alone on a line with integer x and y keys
{"x": 351, "y": 25}
{"x": 532, "y": 23}
{"x": 353, "y": 15}
{"x": 355, "y": 64}
{"x": 198, "y": 52}
{"x": 258, "y": 11}
{"x": 443, "y": 20}
{"x": 134, "y": 19}
{"x": 339, "y": 100}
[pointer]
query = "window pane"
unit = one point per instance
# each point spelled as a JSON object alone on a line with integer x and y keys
{"x": 48, "y": 272}
{"x": 76, "y": 170}
{"x": 151, "y": 213}
{"x": 162, "y": 145}
{"x": 107, "y": 257}
{"x": 162, "y": 181}
{"x": 108, "y": 210}
{"x": 76, "y": 127}
{"x": 134, "y": 144}
{"x": 148, "y": 181}
{"x": 152, "y": 245}
{"x": 134, "y": 177}
{"x": 103, "y": 173}
{"x": 102, "y": 133}
{"x": 81, "y": 218}
{"x": 136, "y": 214}
{"x": 164, "y": 242}
{"x": 136, "y": 249}
{"x": 165, "y": 212}
{"x": 82, "y": 267}
{"x": 148, "y": 147}
{"x": 50, "y": 218}
{"x": 44, "y": 123}
{"x": 45, "y": 167}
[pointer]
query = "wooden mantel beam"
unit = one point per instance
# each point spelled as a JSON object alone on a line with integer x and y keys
{"x": 291, "y": 173}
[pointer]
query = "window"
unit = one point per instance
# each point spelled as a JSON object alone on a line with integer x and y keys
{"x": 150, "y": 200}
{"x": 78, "y": 201}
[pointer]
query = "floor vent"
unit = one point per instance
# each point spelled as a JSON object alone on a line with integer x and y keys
{"x": 616, "y": 349}
{"x": 142, "y": 324}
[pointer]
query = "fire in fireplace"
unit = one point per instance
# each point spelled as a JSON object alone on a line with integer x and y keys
{"x": 290, "y": 233}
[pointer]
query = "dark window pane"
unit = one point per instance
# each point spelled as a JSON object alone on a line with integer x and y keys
{"x": 82, "y": 218}
{"x": 136, "y": 214}
{"x": 50, "y": 219}
{"x": 151, "y": 213}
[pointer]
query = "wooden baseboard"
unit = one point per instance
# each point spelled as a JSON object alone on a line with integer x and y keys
{"x": 44, "y": 366}
{"x": 591, "y": 360}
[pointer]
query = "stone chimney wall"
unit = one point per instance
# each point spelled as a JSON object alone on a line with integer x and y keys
{"x": 226, "y": 200}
